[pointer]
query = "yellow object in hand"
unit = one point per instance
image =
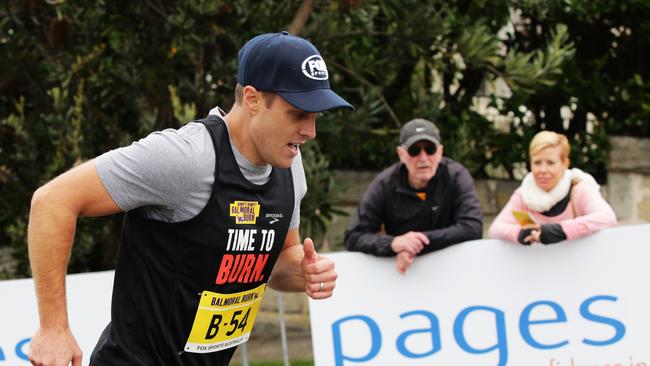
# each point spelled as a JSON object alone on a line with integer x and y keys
{"x": 523, "y": 218}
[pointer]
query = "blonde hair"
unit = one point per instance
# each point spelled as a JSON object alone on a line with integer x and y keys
{"x": 544, "y": 139}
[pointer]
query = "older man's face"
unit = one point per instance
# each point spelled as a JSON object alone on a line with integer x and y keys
{"x": 421, "y": 161}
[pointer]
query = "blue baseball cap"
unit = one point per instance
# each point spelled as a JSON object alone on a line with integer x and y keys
{"x": 291, "y": 67}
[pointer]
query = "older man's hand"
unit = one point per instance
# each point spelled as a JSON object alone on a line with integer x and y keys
{"x": 411, "y": 242}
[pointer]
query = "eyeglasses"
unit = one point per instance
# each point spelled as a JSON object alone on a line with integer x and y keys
{"x": 414, "y": 150}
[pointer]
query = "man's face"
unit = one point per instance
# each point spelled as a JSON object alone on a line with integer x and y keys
{"x": 278, "y": 130}
{"x": 421, "y": 165}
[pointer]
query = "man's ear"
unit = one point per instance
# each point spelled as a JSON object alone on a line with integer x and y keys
{"x": 441, "y": 149}
{"x": 251, "y": 98}
{"x": 402, "y": 154}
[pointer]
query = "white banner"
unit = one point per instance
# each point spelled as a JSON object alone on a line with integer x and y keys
{"x": 488, "y": 302}
{"x": 89, "y": 304}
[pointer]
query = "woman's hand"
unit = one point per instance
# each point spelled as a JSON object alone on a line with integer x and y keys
{"x": 530, "y": 233}
{"x": 534, "y": 236}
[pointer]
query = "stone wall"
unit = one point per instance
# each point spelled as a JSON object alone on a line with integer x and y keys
{"x": 493, "y": 194}
{"x": 7, "y": 264}
{"x": 629, "y": 179}
{"x": 628, "y": 191}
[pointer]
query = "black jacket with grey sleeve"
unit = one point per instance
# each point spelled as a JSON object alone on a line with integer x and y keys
{"x": 450, "y": 214}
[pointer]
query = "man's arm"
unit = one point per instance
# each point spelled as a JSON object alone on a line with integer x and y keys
{"x": 300, "y": 268}
{"x": 52, "y": 222}
{"x": 363, "y": 234}
{"x": 468, "y": 216}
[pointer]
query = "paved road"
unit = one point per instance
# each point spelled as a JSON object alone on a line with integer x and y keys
{"x": 269, "y": 348}
{"x": 265, "y": 343}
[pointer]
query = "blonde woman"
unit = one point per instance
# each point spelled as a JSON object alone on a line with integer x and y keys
{"x": 553, "y": 203}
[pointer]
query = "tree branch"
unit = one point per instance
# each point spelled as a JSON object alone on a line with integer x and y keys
{"x": 158, "y": 9}
{"x": 353, "y": 34}
{"x": 301, "y": 17}
{"x": 371, "y": 85}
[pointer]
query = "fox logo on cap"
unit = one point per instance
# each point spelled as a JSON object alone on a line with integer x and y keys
{"x": 314, "y": 68}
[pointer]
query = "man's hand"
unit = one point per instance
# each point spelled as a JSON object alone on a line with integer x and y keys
{"x": 54, "y": 348}
{"x": 404, "y": 261}
{"x": 411, "y": 242}
{"x": 318, "y": 271}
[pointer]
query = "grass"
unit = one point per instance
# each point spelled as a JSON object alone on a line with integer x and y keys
{"x": 278, "y": 363}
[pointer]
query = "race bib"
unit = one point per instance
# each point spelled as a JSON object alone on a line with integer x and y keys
{"x": 223, "y": 320}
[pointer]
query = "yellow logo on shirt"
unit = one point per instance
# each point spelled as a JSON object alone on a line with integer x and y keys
{"x": 245, "y": 212}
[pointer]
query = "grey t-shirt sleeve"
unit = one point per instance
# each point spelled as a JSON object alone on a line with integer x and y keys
{"x": 299, "y": 189}
{"x": 168, "y": 172}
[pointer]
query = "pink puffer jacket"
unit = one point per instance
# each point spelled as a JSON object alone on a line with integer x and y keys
{"x": 591, "y": 210}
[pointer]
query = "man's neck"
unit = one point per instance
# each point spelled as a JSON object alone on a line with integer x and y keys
{"x": 238, "y": 123}
{"x": 417, "y": 184}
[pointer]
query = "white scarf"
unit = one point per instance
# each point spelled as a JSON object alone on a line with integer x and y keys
{"x": 539, "y": 200}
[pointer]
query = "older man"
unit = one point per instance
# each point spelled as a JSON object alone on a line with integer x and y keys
{"x": 425, "y": 202}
